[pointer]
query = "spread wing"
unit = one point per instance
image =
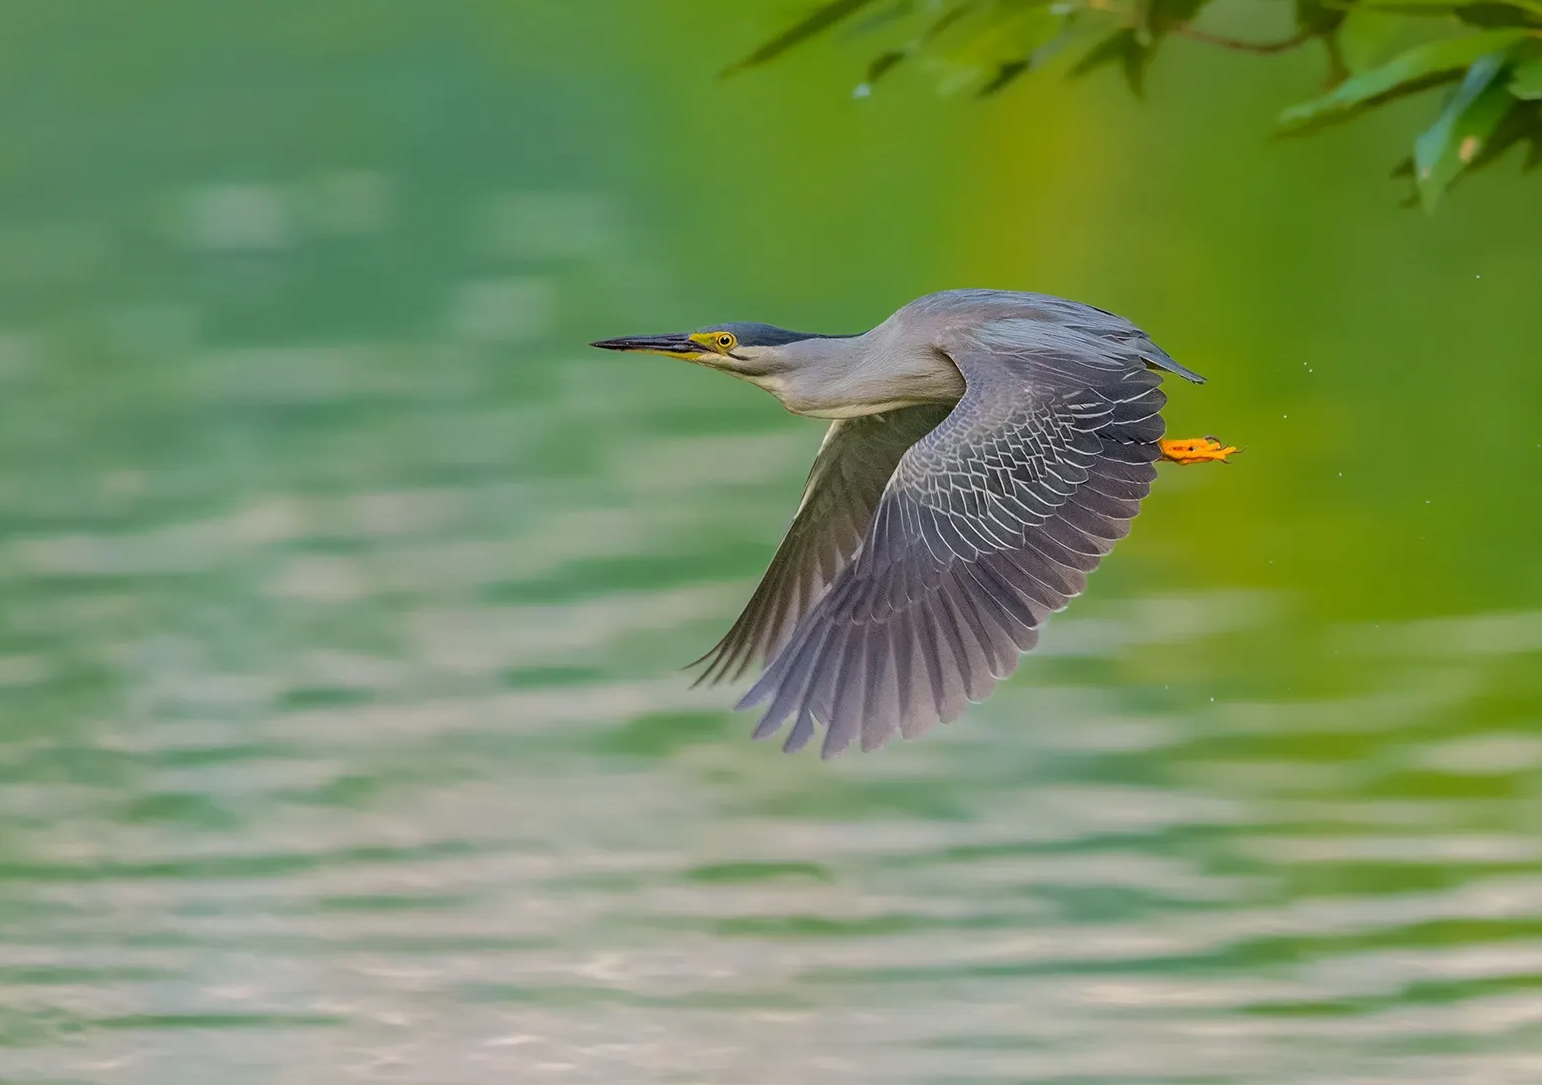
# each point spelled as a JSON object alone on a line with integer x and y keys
{"x": 854, "y": 464}
{"x": 989, "y": 523}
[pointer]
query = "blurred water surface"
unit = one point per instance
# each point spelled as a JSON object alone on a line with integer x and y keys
{"x": 343, "y": 591}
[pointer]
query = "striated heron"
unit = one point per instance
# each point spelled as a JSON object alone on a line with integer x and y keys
{"x": 987, "y": 448}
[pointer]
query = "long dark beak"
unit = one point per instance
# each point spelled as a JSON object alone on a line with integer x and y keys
{"x": 676, "y": 345}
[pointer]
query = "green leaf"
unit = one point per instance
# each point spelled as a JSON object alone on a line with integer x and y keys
{"x": 1457, "y": 137}
{"x": 1005, "y": 75}
{"x": 819, "y": 19}
{"x": 1122, "y": 46}
{"x": 1443, "y": 7}
{"x": 1016, "y": 35}
{"x": 883, "y": 18}
{"x": 1417, "y": 68}
{"x": 1318, "y": 17}
{"x": 949, "y": 19}
{"x": 880, "y": 64}
{"x": 1161, "y": 15}
{"x": 1491, "y": 14}
{"x": 1534, "y": 152}
{"x": 1025, "y": 42}
{"x": 1107, "y": 51}
{"x": 1517, "y": 126}
{"x": 1368, "y": 37}
{"x": 1526, "y": 80}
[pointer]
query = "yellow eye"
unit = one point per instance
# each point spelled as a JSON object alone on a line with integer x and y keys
{"x": 726, "y": 341}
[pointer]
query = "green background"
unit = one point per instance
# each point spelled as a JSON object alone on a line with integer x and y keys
{"x": 343, "y": 589}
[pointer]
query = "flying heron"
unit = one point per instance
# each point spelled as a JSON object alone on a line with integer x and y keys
{"x": 986, "y": 449}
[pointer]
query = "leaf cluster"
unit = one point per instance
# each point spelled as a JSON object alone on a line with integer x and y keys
{"x": 1487, "y": 54}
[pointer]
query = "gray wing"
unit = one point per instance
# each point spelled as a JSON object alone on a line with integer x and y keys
{"x": 990, "y": 522}
{"x": 854, "y": 464}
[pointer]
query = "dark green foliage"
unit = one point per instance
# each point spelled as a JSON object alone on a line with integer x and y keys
{"x": 821, "y": 18}
{"x": 1488, "y": 52}
{"x": 1469, "y": 119}
{"x": 1526, "y": 80}
{"x": 1005, "y": 75}
{"x": 1316, "y": 17}
{"x": 1417, "y": 69}
{"x": 1122, "y": 47}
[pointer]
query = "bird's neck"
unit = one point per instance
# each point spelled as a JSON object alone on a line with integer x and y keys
{"x": 862, "y": 375}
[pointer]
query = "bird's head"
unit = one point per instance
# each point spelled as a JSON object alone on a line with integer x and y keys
{"x": 759, "y": 353}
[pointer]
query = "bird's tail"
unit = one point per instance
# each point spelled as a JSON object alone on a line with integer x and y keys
{"x": 1157, "y": 358}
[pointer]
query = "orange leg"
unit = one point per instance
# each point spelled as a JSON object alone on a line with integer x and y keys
{"x": 1196, "y": 450}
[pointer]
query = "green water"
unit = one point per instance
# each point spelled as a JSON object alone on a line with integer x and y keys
{"x": 343, "y": 590}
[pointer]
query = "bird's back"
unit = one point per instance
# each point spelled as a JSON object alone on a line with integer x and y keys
{"x": 1025, "y": 321}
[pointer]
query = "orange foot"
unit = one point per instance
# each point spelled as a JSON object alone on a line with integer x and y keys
{"x": 1196, "y": 450}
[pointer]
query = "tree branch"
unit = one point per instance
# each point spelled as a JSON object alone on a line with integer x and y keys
{"x": 1261, "y": 47}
